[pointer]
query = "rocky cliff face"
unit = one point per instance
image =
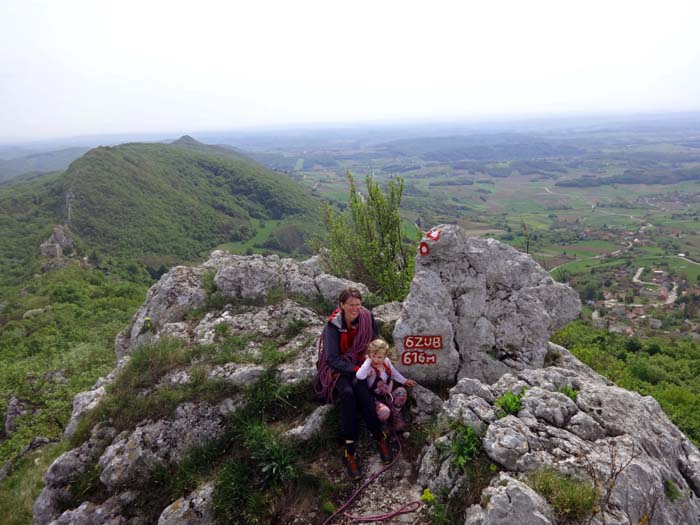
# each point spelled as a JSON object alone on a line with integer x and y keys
{"x": 480, "y": 315}
{"x": 491, "y": 307}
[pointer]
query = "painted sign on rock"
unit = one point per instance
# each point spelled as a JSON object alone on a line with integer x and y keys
{"x": 414, "y": 346}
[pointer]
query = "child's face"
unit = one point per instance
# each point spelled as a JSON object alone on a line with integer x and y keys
{"x": 377, "y": 358}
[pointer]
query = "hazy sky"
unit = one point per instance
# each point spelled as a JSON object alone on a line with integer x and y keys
{"x": 72, "y": 67}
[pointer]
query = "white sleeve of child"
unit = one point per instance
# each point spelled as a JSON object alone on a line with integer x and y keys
{"x": 395, "y": 374}
{"x": 364, "y": 370}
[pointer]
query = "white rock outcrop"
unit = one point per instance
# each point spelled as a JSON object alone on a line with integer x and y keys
{"x": 490, "y": 308}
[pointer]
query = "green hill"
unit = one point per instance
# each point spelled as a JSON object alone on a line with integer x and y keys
{"x": 28, "y": 212}
{"x": 155, "y": 203}
{"x": 39, "y": 162}
{"x": 179, "y": 199}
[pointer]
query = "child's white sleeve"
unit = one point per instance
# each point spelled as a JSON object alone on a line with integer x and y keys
{"x": 395, "y": 374}
{"x": 364, "y": 370}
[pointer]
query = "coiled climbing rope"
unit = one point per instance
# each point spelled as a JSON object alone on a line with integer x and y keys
{"x": 409, "y": 507}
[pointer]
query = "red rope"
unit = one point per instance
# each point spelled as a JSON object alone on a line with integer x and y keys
{"x": 409, "y": 507}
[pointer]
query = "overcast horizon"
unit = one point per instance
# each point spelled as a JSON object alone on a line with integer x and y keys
{"x": 81, "y": 69}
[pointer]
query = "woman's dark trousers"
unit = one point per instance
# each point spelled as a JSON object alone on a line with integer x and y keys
{"x": 354, "y": 396}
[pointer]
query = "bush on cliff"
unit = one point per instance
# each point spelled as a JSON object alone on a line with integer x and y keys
{"x": 366, "y": 242}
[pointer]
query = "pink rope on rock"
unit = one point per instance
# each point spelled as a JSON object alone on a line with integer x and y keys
{"x": 409, "y": 507}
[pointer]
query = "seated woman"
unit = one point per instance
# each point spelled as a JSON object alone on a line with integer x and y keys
{"x": 343, "y": 344}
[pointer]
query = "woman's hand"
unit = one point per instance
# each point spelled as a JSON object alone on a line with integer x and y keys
{"x": 410, "y": 383}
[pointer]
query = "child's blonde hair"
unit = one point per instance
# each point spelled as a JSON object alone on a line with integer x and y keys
{"x": 378, "y": 346}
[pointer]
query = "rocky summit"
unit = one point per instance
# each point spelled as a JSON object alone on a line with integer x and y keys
{"x": 519, "y": 421}
{"x": 482, "y": 309}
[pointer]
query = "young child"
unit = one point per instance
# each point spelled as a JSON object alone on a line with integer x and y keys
{"x": 381, "y": 376}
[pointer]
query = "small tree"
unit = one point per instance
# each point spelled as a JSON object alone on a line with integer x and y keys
{"x": 366, "y": 242}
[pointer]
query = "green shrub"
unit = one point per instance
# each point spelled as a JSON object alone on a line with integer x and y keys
{"x": 216, "y": 301}
{"x": 274, "y": 458}
{"x": 648, "y": 372}
{"x": 572, "y": 500}
{"x": 236, "y": 499}
{"x": 509, "y": 403}
{"x": 466, "y": 445}
{"x": 367, "y": 242}
{"x": 438, "y": 510}
{"x": 208, "y": 282}
{"x": 570, "y": 392}
{"x": 671, "y": 491}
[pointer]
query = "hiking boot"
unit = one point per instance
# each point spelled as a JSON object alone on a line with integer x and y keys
{"x": 384, "y": 449}
{"x": 352, "y": 466}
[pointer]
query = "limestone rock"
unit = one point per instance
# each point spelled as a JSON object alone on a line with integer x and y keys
{"x": 58, "y": 244}
{"x": 329, "y": 287}
{"x": 130, "y": 458}
{"x": 249, "y": 278}
{"x": 611, "y": 436}
{"x": 427, "y": 312}
{"x": 89, "y": 399}
{"x": 82, "y": 402}
{"x": 511, "y": 501}
{"x": 193, "y": 509}
{"x": 311, "y": 426}
{"x": 66, "y": 469}
{"x": 254, "y": 278}
{"x": 109, "y": 512}
{"x": 268, "y": 321}
{"x": 428, "y": 404}
{"x": 15, "y": 408}
{"x": 506, "y": 441}
{"x": 386, "y": 316}
{"x": 553, "y": 408}
{"x": 473, "y": 387}
{"x": 501, "y": 305}
{"x": 178, "y": 291}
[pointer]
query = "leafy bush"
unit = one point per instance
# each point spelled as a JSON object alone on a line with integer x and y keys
{"x": 367, "y": 244}
{"x": 647, "y": 372}
{"x": 438, "y": 510}
{"x": 572, "y": 500}
{"x": 208, "y": 282}
{"x": 466, "y": 445}
{"x": 509, "y": 403}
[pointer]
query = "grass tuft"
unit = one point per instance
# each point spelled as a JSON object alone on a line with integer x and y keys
{"x": 672, "y": 491}
{"x": 569, "y": 392}
{"x": 572, "y": 500}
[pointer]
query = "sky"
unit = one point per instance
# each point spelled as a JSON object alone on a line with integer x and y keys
{"x": 85, "y": 67}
